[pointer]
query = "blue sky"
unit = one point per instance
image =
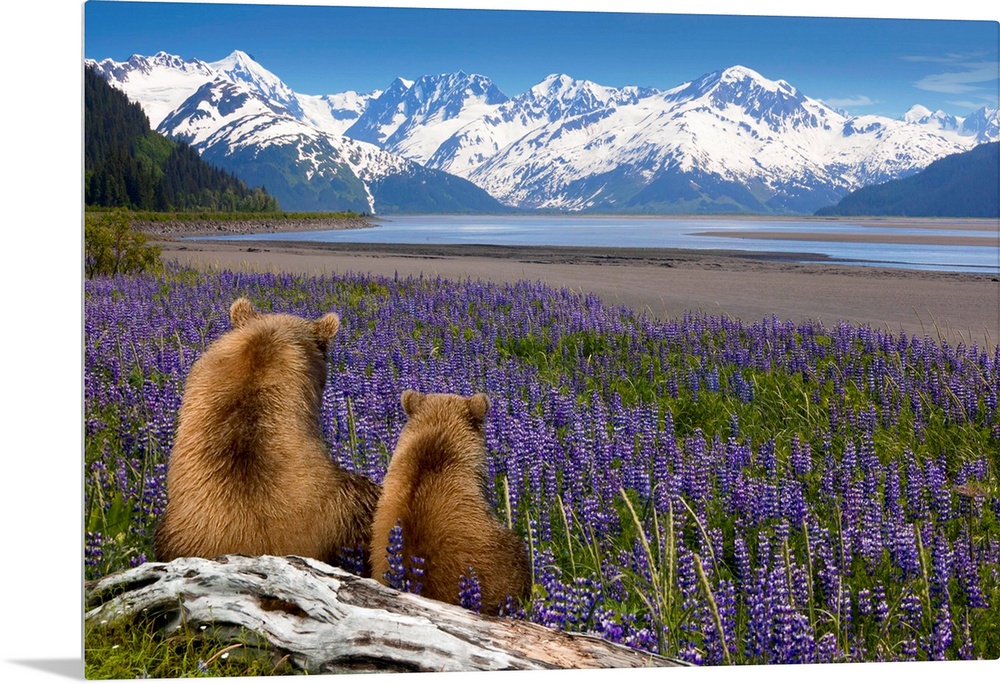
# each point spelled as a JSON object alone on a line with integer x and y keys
{"x": 866, "y": 66}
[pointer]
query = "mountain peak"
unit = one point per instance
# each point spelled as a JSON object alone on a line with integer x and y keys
{"x": 742, "y": 74}
{"x": 557, "y": 83}
{"x": 242, "y": 68}
{"x": 920, "y": 115}
{"x": 916, "y": 113}
{"x": 556, "y": 79}
{"x": 453, "y": 91}
{"x": 738, "y": 72}
{"x": 772, "y": 102}
{"x": 237, "y": 60}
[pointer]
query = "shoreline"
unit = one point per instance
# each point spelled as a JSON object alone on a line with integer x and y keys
{"x": 867, "y": 238}
{"x": 209, "y": 227}
{"x": 661, "y": 282}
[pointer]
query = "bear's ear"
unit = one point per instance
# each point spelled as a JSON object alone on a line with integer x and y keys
{"x": 479, "y": 404}
{"x": 328, "y": 325}
{"x": 412, "y": 399}
{"x": 241, "y": 311}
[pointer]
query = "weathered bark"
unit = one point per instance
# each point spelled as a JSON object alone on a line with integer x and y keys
{"x": 328, "y": 620}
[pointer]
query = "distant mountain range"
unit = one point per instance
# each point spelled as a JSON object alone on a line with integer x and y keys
{"x": 728, "y": 141}
{"x": 965, "y": 184}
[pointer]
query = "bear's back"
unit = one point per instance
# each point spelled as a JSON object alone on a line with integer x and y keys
{"x": 249, "y": 471}
{"x": 436, "y": 489}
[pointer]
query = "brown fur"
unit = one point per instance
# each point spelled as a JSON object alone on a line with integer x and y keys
{"x": 436, "y": 487}
{"x": 249, "y": 472}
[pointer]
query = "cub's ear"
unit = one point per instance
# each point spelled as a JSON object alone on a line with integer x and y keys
{"x": 328, "y": 325}
{"x": 412, "y": 399}
{"x": 479, "y": 404}
{"x": 241, "y": 311}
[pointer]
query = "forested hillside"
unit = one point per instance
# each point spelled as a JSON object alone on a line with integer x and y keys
{"x": 959, "y": 185}
{"x": 126, "y": 164}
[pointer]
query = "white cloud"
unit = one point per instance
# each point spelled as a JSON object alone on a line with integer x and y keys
{"x": 853, "y": 101}
{"x": 948, "y": 58}
{"x": 971, "y": 105}
{"x": 967, "y": 80}
{"x": 964, "y": 74}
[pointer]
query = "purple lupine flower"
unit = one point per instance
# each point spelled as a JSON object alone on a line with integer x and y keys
{"x": 352, "y": 560}
{"x": 470, "y": 596}
{"x": 827, "y": 650}
{"x": 911, "y": 611}
{"x": 966, "y": 572}
{"x": 395, "y": 576}
{"x": 575, "y": 434}
{"x": 726, "y": 603}
{"x": 801, "y": 457}
{"x": 942, "y": 561}
{"x": 940, "y": 491}
{"x": 793, "y": 639}
{"x": 865, "y": 601}
{"x": 93, "y": 551}
{"x": 942, "y": 636}
{"x": 916, "y": 504}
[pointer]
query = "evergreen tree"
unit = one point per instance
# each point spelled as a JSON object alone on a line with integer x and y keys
{"x": 959, "y": 185}
{"x": 128, "y": 165}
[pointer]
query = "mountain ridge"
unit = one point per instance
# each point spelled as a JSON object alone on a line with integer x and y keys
{"x": 966, "y": 184}
{"x": 574, "y": 145}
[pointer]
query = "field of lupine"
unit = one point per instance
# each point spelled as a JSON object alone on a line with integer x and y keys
{"x": 723, "y": 491}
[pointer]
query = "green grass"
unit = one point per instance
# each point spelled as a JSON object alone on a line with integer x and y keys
{"x": 138, "y": 651}
{"x": 166, "y": 216}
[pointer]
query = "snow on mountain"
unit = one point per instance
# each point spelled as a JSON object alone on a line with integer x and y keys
{"x": 335, "y": 113}
{"x": 730, "y": 127}
{"x": 557, "y": 97}
{"x": 305, "y": 168}
{"x": 980, "y": 125}
{"x": 983, "y": 124}
{"x": 413, "y": 118}
{"x": 212, "y": 107}
{"x": 731, "y": 140}
{"x": 241, "y": 68}
{"x": 235, "y": 126}
{"x": 383, "y": 115}
{"x": 159, "y": 83}
{"x": 918, "y": 114}
{"x": 244, "y": 119}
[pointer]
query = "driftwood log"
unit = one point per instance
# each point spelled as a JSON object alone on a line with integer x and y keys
{"x": 325, "y": 620}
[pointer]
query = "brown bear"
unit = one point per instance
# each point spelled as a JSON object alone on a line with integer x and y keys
{"x": 249, "y": 472}
{"x": 436, "y": 490}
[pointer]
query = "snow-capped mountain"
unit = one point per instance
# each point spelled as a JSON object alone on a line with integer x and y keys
{"x": 237, "y": 126}
{"x": 241, "y": 117}
{"x": 213, "y": 107}
{"x": 731, "y": 140}
{"x": 981, "y": 125}
{"x": 239, "y": 67}
{"x": 414, "y": 118}
{"x": 159, "y": 83}
{"x": 335, "y": 113}
{"x": 555, "y": 98}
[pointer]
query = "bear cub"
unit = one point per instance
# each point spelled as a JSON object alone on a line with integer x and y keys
{"x": 249, "y": 472}
{"x": 436, "y": 489}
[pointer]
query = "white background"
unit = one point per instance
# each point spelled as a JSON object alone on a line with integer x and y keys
{"x": 41, "y": 437}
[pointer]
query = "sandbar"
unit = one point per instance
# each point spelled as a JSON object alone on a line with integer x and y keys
{"x": 663, "y": 283}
